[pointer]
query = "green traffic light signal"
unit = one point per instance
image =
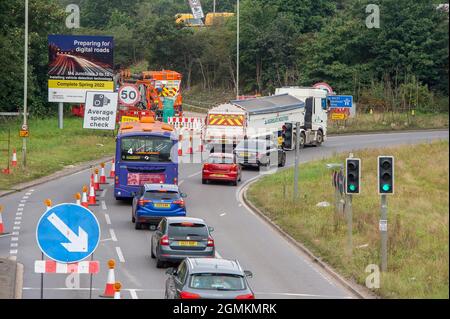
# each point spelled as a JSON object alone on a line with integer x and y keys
{"x": 352, "y": 187}
{"x": 386, "y": 187}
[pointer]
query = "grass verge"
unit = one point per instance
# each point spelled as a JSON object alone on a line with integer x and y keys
{"x": 50, "y": 149}
{"x": 418, "y": 260}
{"x": 388, "y": 122}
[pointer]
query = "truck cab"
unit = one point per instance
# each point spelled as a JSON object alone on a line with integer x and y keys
{"x": 314, "y": 129}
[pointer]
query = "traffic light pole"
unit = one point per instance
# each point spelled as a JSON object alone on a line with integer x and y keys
{"x": 297, "y": 159}
{"x": 349, "y": 216}
{"x": 384, "y": 233}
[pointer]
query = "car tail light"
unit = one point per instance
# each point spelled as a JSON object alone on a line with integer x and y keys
{"x": 164, "y": 241}
{"x": 210, "y": 242}
{"x": 142, "y": 202}
{"x": 188, "y": 295}
{"x": 179, "y": 202}
{"x": 234, "y": 168}
{"x": 248, "y": 296}
{"x": 117, "y": 180}
{"x": 206, "y": 166}
{"x": 175, "y": 181}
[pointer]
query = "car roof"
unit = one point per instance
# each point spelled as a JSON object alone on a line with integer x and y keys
{"x": 221, "y": 155}
{"x": 185, "y": 219}
{"x": 155, "y": 187}
{"x": 214, "y": 265}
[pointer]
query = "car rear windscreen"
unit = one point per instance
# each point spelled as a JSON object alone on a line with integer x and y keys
{"x": 217, "y": 282}
{"x": 220, "y": 160}
{"x": 187, "y": 229}
{"x": 157, "y": 195}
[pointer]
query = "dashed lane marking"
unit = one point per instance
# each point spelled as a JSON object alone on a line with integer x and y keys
{"x": 103, "y": 205}
{"x": 17, "y": 223}
{"x": 13, "y": 252}
{"x": 195, "y": 174}
{"x": 133, "y": 294}
{"x": 113, "y": 235}
{"x": 120, "y": 255}
{"x": 14, "y": 238}
{"x": 13, "y": 245}
{"x": 16, "y": 227}
{"x": 103, "y": 193}
{"x": 108, "y": 220}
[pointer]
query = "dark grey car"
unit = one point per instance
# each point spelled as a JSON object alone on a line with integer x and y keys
{"x": 208, "y": 278}
{"x": 259, "y": 152}
{"x": 179, "y": 237}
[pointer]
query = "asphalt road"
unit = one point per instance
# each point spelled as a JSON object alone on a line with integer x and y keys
{"x": 280, "y": 270}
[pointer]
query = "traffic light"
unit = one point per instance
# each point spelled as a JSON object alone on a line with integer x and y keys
{"x": 288, "y": 136}
{"x": 385, "y": 175}
{"x": 352, "y": 175}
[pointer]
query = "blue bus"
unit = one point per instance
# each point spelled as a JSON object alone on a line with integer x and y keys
{"x": 146, "y": 153}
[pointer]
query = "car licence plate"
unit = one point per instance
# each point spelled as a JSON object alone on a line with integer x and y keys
{"x": 188, "y": 243}
{"x": 162, "y": 205}
{"x": 218, "y": 175}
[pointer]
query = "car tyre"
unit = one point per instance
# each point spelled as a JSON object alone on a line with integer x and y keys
{"x": 319, "y": 140}
{"x": 160, "y": 263}
{"x": 204, "y": 181}
{"x": 283, "y": 161}
{"x": 151, "y": 251}
{"x": 302, "y": 140}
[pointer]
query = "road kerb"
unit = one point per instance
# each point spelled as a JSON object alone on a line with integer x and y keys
{"x": 356, "y": 289}
{"x": 19, "y": 281}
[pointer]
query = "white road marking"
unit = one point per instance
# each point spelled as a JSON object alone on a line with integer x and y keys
{"x": 301, "y": 295}
{"x": 218, "y": 255}
{"x": 120, "y": 255}
{"x": 17, "y": 223}
{"x": 16, "y": 227}
{"x": 19, "y": 214}
{"x": 113, "y": 235}
{"x": 18, "y": 217}
{"x": 20, "y": 209}
{"x": 103, "y": 192}
{"x": 133, "y": 294}
{"x": 14, "y": 238}
{"x": 13, "y": 258}
{"x": 25, "y": 197}
{"x": 223, "y": 214}
{"x": 104, "y": 205}
{"x": 16, "y": 233}
{"x": 195, "y": 174}
{"x": 181, "y": 182}
{"x": 28, "y": 194}
{"x": 13, "y": 251}
{"x": 21, "y": 205}
{"x": 108, "y": 221}
{"x": 23, "y": 201}
{"x": 13, "y": 245}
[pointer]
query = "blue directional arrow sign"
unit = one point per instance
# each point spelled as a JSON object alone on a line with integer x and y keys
{"x": 340, "y": 101}
{"x": 68, "y": 233}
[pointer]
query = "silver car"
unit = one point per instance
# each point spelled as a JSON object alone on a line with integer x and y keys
{"x": 208, "y": 278}
{"x": 179, "y": 237}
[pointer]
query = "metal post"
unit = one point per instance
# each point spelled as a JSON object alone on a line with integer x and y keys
{"x": 60, "y": 115}
{"x": 25, "y": 87}
{"x": 297, "y": 160}
{"x": 237, "y": 52}
{"x": 349, "y": 215}
{"x": 384, "y": 233}
{"x": 42, "y": 279}
{"x": 9, "y": 150}
{"x": 90, "y": 284}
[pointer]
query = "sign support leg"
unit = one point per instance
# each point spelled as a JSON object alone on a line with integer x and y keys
{"x": 60, "y": 115}
{"x": 90, "y": 283}
{"x": 42, "y": 279}
{"x": 384, "y": 233}
{"x": 349, "y": 215}
{"x": 297, "y": 159}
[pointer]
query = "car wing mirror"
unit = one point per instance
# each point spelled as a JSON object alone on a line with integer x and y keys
{"x": 183, "y": 195}
{"x": 211, "y": 229}
{"x": 248, "y": 273}
{"x": 171, "y": 271}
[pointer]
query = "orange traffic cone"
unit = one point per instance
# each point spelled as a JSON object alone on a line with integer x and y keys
{"x": 102, "y": 174}
{"x": 84, "y": 200}
{"x": 96, "y": 182}
{"x": 92, "y": 199}
{"x": 109, "y": 289}
{"x": 48, "y": 203}
{"x": 2, "y": 228}
{"x": 112, "y": 172}
{"x": 117, "y": 287}
{"x": 14, "y": 158}
{"x": 190, "y": 149}
{"x": 78, "y": 198}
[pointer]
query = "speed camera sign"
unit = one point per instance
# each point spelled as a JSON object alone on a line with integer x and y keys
{"x": 128, "y": 95}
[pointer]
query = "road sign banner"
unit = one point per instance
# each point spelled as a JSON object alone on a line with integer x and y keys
{"x": 340, "y": 101}
{"x": 24, "y": 133}
{"x": 78, "y": 63}
{"x": 338, "y": 116}
{"x": 68, "y": 233}
{"x": 100, "y": 110}
{"x": 128, "y": 95}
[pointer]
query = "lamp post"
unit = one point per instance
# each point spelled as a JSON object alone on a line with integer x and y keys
{"x": 237, "y": 53}
{"x": 25, "y": 87}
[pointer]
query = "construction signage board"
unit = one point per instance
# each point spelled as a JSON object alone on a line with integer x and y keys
{"x": 77, "y": 64}
{"x": 100, "y": 110}
{"x": 68, "y": 233}
{"x": 129, "y": 119}
{"x": 338, "y": 116}
{"x": 196, "y": 8}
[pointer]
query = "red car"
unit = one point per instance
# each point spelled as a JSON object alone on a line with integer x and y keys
{"x": 221, "y": 167}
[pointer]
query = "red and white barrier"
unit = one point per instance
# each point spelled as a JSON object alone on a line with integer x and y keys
{"x": 192, "y": 123}
{"x": 51, "y": 266}
{"x": 112, "y": 172}
{"x": 2, "y": 228}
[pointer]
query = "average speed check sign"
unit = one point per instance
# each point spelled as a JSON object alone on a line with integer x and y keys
{"x": 128, "y": 95}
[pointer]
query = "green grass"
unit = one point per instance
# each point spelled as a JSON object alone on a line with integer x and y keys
{"x": 388, "y": 122}
{"x": 418, "y": 216}
{"x": 50, "y": 149}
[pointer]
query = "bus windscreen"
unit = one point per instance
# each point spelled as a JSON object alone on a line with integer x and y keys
{"x": 146, "y": 149}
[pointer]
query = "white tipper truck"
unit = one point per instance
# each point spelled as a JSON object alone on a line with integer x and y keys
{"x": 228, "y": 124}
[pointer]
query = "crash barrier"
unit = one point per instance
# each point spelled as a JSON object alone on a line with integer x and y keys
{"x": 193, "y": 123}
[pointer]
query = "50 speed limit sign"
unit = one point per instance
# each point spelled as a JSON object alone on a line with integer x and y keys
{"x": 128, "y": 95}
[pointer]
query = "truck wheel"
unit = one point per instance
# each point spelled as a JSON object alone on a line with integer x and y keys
{"x": 319, "y": 140}
{"x": 137, "y": 225}
{"x": 133, "y": 219}
{"x": 302, "y": 140}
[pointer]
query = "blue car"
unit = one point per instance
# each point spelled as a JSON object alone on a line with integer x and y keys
{"x": 155, "y": 201}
